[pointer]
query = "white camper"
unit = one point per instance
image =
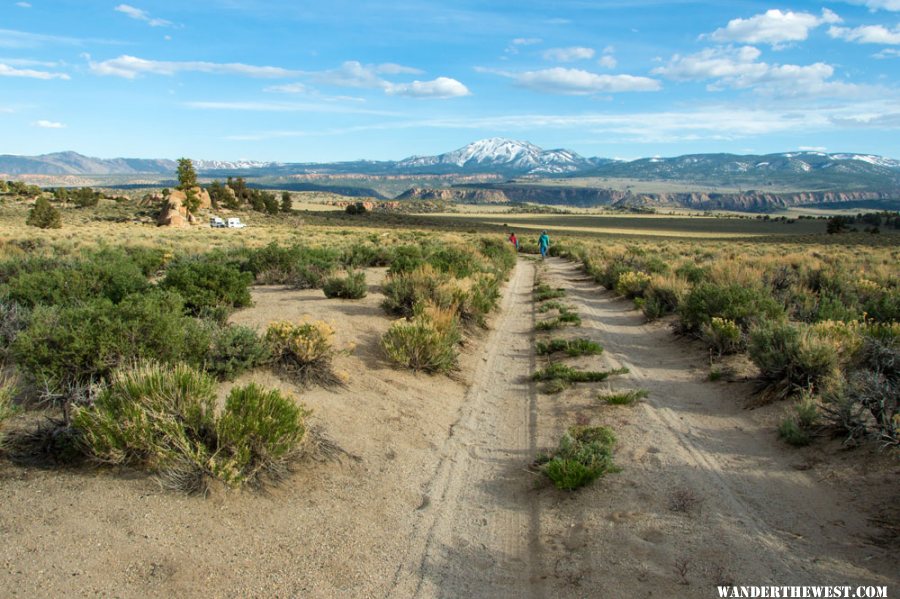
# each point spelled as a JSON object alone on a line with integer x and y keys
{"x": 234, "y": 223}
{"x": 216, "y": 223}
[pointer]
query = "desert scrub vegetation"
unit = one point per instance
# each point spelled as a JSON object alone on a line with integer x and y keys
{"x": 623, "y": 398}
{"x": 808, "y": 315}
{"x": 208, "y": 286}
{"x": 8, "y": 387}
{"x": 353, "y": 286}
{"x": 584, "y": 454}
{"x": 163, "y": 419}
{"x": 304, "y": 351}
{"x": 462, "y": 277}
{"x": 543, "y": 292}
{"x": 558, "y": 376}
{"x": 427, "y": 341}
{"x": 565, "y": 317}
{"x": 571, "y": 347}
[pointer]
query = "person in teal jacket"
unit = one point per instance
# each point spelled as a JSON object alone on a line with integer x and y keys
{"x": 544, "y": 243}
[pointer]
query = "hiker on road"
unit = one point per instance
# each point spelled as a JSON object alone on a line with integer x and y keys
{"x": 544, "y": 243}
{"x": 514, "y": 240}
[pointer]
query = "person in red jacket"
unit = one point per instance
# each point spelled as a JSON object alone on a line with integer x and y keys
{"x": 514, "y": 240}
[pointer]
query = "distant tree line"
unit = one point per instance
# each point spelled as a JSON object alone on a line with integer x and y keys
{"x": 871, "y": 221}
{"x": 235, "y": 194}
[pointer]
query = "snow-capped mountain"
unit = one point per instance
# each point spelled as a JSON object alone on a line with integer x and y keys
{"x": 230, "y": 165}
{"x": 501, "y": 153}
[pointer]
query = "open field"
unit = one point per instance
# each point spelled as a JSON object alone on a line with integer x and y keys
{"x": 434, "y": 426}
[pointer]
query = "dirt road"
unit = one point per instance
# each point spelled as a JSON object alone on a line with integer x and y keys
{"x": 438, "y": 500}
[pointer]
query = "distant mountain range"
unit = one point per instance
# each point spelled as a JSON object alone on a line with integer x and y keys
{"x": 511, "y": 158}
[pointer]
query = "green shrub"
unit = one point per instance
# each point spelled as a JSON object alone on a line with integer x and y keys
{"x": 364, "y": 255}
{"x": 544, "y": 292}
{"x": 258, "y": 434}
{"x": 624, "y": 398}
{"x": 571, "y": 347}
{"x": 632, "y": 284}
{"x": 791, "y": 359}
{"x": 407, "y": 258}
{"x": 75, "y": 344}
{"x": 662, "y": 296}
{"x": 44, "y": 216}
{"x": 353, "y": 286}
{"x": 162, "y": 419}
{"x": 304, "y": 351}
{"x": 792, "y": 433}
{"x": 405, "y": 290}
{"x": 427, "y": 342}
{"x": 584, "y": 455}
{"x": 692, "y": 273}
{"x": 106, "y": 274}
{"x": 233, "y": 350}
{"x": 737, "y": 303}
{"x": 8, "y": 389}
{"x": 721, "y": 335}
{"x": 559, "y": 376}
{"x": 208, "y": 285}
{"x": 300, "y": 266}
{"x": 14, "y": 319}
{"x": 565, "y": 317}
{"x": 551, "y": 305}
{"x": 458, "y": 262}
{"x": 500, "y": 253}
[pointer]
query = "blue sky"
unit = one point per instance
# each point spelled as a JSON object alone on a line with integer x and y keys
{"x": 343, "y": 80}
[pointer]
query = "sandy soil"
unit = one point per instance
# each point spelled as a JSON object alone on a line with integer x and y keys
{"x": 435, "y": 497}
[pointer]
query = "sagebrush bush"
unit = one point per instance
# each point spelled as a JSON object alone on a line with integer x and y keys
{"x": 405, "y": 290}
{"x": 722, "y": 335}
{"x": 163, "y": 419}
{"x": 233, "y": 350}
{"x": 353, "y": 286}
{"x": 428, "y": 342}
{"x": 742, "y": 305}
{"x": 791, "y": 359}
{"x": 208, "y": 285}
{"x": 663, "y": 295}
{"x": 14, "y": 318}
{"x": 304, "y": 351}
{"x": 584, "y": 454}
{"x": 632, "y": 284}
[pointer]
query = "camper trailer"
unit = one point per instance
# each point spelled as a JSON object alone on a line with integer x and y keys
{"x": 235, "y": 223}
{"x": 216, "y": 223}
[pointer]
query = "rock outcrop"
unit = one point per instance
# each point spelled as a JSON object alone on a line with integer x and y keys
{"x": 175, "y": 214}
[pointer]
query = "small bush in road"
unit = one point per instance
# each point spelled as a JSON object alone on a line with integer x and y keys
{"x": 624, "y": 398}
{"x": 571, "y": 347}
{"x": 558, "y": 376}
{"x": 584, "y": 455}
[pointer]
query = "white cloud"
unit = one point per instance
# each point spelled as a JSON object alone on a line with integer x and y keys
{"x": 8, "y": 71}
{"x": 607, "y": 61}
{"x": 288, "y": 88}
{"x": 23, "y": 4}
{"x": 812, "y": 148}
{"x": 773, "y": 27}
{"x": 48, "y": 124}
{"x": 526, "y": 41}
{"x": 739, "y": 68}
{"x": 569, "y": 54}
{"x": 559, "y": 80}
{"x": 355, "y": 74}
{"x": 887, "y": 53}
{"x": 142, "y": 15}
{"x": 867, "y": 34}
{"x": 873, "y": 5}
{"x": 440, "y": 88}
{"x": 130, "y": 67}
{"x": 310, "y": 107}
{"x": 390, "y": 68}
